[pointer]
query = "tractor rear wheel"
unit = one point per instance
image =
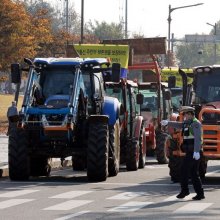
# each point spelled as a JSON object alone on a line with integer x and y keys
{"x": 142, "y": 145}
{"x": 114, "y": 149}
{"x": 97, "y": 152}
{"x": 203, "y": 167}
{"x": 174, "y": 163}
{"x": 18, "y": 158}
{"x": 161, "y": 139}
{"x": 132, "y": 156}
{"x": 175, "y": 168}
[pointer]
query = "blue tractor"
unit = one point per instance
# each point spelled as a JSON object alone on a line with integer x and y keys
{"x": 65, "y": 112}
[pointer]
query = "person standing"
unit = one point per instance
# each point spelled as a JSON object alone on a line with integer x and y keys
{"x": 192, "y": 146}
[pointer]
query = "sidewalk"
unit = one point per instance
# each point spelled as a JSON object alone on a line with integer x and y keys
{"x": 56, "y": 163}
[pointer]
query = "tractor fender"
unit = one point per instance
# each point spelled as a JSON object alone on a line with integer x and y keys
{"x": 137, "y": 127}
{"x": 111, "y": 108}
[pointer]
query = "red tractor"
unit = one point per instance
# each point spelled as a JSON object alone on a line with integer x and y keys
{"x": 132, "y": 140}
{"x": 155, "y": 105}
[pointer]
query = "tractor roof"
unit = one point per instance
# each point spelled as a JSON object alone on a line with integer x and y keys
{"x": 71, "y": 61}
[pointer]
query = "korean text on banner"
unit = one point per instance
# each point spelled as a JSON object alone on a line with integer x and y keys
{"x": 117, "y": 53}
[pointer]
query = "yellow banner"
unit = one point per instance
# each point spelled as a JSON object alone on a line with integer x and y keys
{"x": 165, "y": 73}
{"x": 117, "y": 53}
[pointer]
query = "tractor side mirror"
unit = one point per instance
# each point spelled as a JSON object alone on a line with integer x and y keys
{"x": 171, "y": 81}
{"x": 15, "y": 73}
{"x": 140, "y": 98}
{"x": 167, "y": 95}
{"x": 116, "y": 72}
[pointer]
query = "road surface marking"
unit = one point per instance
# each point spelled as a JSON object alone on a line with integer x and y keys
{"x": 70, "y": 194}
{"x": 16, "y": 193}
{"x": 173, "y": 198}
{"x": 213, "y": 172}
{"x": 13, "y": 202}
{"x": 192, "y": 208}
{"x": 127, "y": 195}
{"x": 130, "y": 206}
{"x": 68, "y": 205}
{"x": 72, "y": 215}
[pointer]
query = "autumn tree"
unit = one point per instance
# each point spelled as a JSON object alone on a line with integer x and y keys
{"x": 16, "y": 37}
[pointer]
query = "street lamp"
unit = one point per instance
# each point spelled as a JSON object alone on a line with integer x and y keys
{"x": 215, "y": 46}
{"x": 169, "y": 23}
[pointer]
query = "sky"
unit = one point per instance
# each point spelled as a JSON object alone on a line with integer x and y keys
{"x": 149, "y": 17}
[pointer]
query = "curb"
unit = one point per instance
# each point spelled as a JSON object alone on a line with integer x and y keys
{"x": 54, "y": 165}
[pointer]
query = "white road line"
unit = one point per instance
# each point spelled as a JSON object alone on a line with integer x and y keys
{"x": 127, "y": 195}
{"x": 70, "y": 194}
{"x": 192, "y": 208}
{"x": 139, "y": 184}
{"x": 16, "y": 193}
{"x": 130, "y": 206}
{"x": 173, "y": 198}
{"x": 68, "y": 205}
{"x": 211, "y": 173}
{"x": 13, "y": 202}
{"x": 72, "y": 215}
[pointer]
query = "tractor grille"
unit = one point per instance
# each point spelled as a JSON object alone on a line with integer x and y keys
{"x": 211, "y": 118}
{"x": 55, "y": 119}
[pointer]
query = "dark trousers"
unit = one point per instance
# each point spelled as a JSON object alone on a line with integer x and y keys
{"x": 190, "y": 168}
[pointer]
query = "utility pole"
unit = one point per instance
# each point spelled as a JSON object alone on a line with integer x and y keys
{"x": 67, "y": 16}
{"x": 82, "y": 20}
{"x": 170, "y": 10}
{"x": 126, "y": 19}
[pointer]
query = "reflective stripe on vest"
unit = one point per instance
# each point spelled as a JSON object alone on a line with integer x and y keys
{"x": 188, "y": 137}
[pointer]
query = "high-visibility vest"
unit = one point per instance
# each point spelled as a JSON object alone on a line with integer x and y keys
{"x": 188, "y": 136}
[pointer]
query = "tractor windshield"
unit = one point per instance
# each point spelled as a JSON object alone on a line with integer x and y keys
{"x": 150, "y": 101}
{"x": 176, "y": 98}
{"x": 57, "y": 82}
{"x": 114, "y": 90}
{"x": 207, "y": 87}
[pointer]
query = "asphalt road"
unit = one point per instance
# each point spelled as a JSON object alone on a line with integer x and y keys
{"x": 144, "y": 194}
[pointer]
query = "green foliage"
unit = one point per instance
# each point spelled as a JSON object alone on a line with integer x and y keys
{"x": 195, "y": 54}
{"x": 105, "y": 31}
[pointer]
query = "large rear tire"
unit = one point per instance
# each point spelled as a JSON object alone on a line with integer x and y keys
{"x": 175, "y": 168}
{"x": 97, "y": 153}
{"x": 18, "y": 158}
{"x": 114, "y": 149}
{"x": 174, "y": 163}
{"x": 203, "y": 167}
{"x": 132, "y": 156}
{"x": 161, "y": 139}
{"x": 142, "y": 145}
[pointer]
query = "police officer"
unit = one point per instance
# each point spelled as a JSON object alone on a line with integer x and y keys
{"x": 192, "y": 142}
{"x": 12, "y": 115}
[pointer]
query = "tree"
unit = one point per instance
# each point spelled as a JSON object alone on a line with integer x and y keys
{"x": 191, "y": 54}
{"x": 15, "y": 36}
{"x": 105, "y": 31}
{"x": 194, "y": 54}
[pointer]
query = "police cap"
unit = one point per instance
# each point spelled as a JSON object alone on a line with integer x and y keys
{"x": 185, "y": 109}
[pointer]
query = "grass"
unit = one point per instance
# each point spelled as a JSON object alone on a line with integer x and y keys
{"x": 5, "y": 102}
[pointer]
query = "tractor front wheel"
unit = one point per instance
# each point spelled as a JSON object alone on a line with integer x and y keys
{"x": 18, "y": 158}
